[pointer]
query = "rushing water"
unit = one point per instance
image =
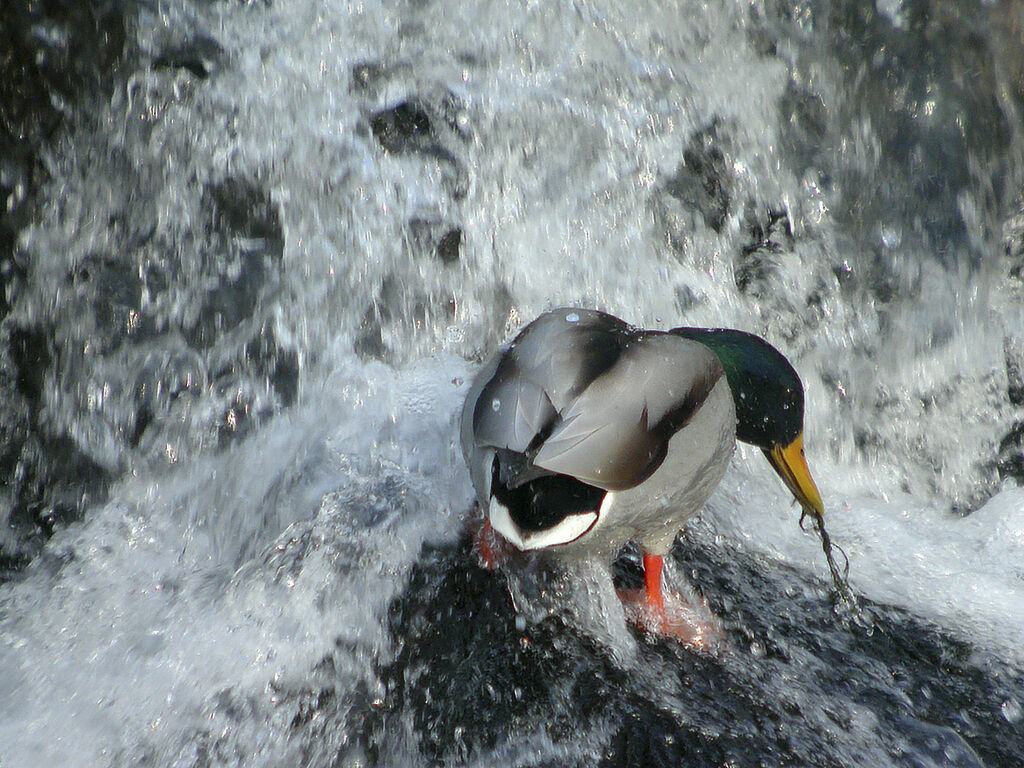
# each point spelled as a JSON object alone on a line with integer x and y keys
{"x": 252, "y": 255}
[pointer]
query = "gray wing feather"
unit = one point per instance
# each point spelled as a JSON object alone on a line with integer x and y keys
{"x": 611, "y": 397}
{"x": 557, "y": 350}
{"x": 478, "y": 457}
{"x": 533, "y": 410}
{"x": 616, "y": 432}
{"x": 510, "y": 413}
{"x": 524, "y": 385}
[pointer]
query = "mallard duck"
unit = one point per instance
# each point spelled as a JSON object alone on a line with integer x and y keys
{"x": 584, "y": 433}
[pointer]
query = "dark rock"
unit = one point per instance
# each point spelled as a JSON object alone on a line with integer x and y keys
{"x": 202, "y": 56}
{"x": 280, "y": 365}
{"x": 12, "y": 565}
{"x": 438, "y": 237}
{"x": 1013, "y": 243}
{"x": 54, "y": 57}
{"x": 53, "y": 466}
{"x": 769, "y": 237}
{"x": 929, "y": 96}
{"x": 242, "y": 257}
{"x": 473, "y": 680}
{"x": 702, "y": 182}
{"x": 1010, "y": 461}
{"x": 162, "y": 377}
{"x": 113, "y": 291}
{"x": 448, "y": 247}
{"x": 12, "y": 273}
{"x": 242, "y": 207}
{"x": 1013, "y": 351}
{"x": 239, "y": 420}
{"x": 58, "y": 483}
{"x": 466, "y": 675}
{"x": 369, "y": 344}
{"x": 806, "y": 121}
{"x": 370, "y": 341}
{"x": 402, "y": 128}
{"x": 31, "y": 351}
{"x": 59, "y": 454}
{"x": 367, "y": 75}
{"x": 429, "y": 130}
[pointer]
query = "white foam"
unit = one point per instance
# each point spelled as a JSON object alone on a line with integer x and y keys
{"x": 151, "y": 620}
{"x": 964, "y": 573}
{"x": 214, "y": 584}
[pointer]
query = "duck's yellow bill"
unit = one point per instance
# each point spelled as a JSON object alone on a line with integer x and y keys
{"x": 791, "y": 465}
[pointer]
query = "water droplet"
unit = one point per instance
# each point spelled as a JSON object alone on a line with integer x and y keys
{"x": 1011, "y": 710}
{"x": 495, "y": 405}
{"x": 891, "y": 237}
{"x": 572, "y": 317}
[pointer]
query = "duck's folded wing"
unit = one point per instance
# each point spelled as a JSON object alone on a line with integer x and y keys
{"x": 615, "y": 433}
{"x": 540, "y": 373}
{"x": 511, "y": 412}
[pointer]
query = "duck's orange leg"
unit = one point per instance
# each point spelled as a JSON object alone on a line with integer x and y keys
{"x": 490, "y": 547}
{"x": 652, "y": 609}
{"x": 653, "y": 565}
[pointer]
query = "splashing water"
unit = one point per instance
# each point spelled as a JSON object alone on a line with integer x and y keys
{"x": 247, "y": 276}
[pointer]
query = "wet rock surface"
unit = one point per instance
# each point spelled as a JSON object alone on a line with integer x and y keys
{"x": 142, "y": 350}
{"x": 120, "y": 374}
{"x": 406, "y": 127}
{"x": 699, "y": 192}
{"x": 937, "y": 80}
{"x": 202, "y": 56}
{"x": 770, "y": 238}
{"x": 55, "y": 58}
{"x": 476, "y": 681}
{"x": 701, "y": 183}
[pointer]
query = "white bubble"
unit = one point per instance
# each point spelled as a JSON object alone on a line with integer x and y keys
{"x": 495, "y": 405}
{"x": 572, "y": 317}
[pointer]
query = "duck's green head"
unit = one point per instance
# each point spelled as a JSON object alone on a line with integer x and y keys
{"x": 769, "y": 399}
